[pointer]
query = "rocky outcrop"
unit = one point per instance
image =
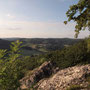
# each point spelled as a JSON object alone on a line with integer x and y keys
{"x": 45, "y": 70}
{"x": 64, "y": 78}
{"x": 46, "y": 77}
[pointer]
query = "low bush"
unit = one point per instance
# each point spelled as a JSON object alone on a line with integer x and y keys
{"x": 70, "y": 56}
{"x": 74, "y": 87}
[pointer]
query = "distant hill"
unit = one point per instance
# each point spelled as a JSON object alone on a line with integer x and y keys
{"x": 49, "y": 44}
{"x": 11, "y": 39}
{"x": 35, "y": 46}
{"x": 4, "y": 44}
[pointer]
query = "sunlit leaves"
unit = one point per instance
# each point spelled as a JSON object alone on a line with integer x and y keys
{"x": 80, "y": 13}
{"x": 2, "y": 53}
{"x": 65, "y": 22}
{"x": 9, "y": 68}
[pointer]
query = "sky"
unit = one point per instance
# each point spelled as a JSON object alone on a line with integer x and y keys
{"x": 36, "y": 19}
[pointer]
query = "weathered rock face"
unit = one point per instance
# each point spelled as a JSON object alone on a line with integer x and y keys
{"x": 60, "y": 80}
{"x": 66, "y": 77}
{"x": 45, "y": 70}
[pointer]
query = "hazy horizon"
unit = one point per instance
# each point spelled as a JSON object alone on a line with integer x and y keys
{"x": 36, "y": 19}
{"x": 40, "y": 38}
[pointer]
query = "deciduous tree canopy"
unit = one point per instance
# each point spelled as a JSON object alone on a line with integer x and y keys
{"x": 79, "y": 13}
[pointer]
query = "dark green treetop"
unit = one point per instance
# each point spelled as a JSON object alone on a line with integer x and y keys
{"x": 79, "y": 13}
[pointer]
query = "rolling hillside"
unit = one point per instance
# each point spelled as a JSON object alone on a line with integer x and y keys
{"x": 35, "y": 46}
{"x": 4, "y": 44}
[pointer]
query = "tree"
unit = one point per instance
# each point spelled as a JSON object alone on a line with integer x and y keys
{"x": 10, "y": 70}
{"x": 79, "y": 13}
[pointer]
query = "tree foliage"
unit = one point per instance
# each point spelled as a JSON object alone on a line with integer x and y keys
{"x": 9, "y": 67}
{"x": 13, "y": 66}
{"x": 69, "y": 56}
{"x": 79, "y": 13}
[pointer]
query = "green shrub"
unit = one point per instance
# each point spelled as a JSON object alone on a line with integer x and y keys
{"x": 74, "y": 87}
{"x": 70, "y": 56}
{"x": 30, "y": 63}
{"x": 10, "y": 71}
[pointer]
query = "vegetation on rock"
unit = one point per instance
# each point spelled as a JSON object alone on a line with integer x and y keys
{"x": 14, "y": 66}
